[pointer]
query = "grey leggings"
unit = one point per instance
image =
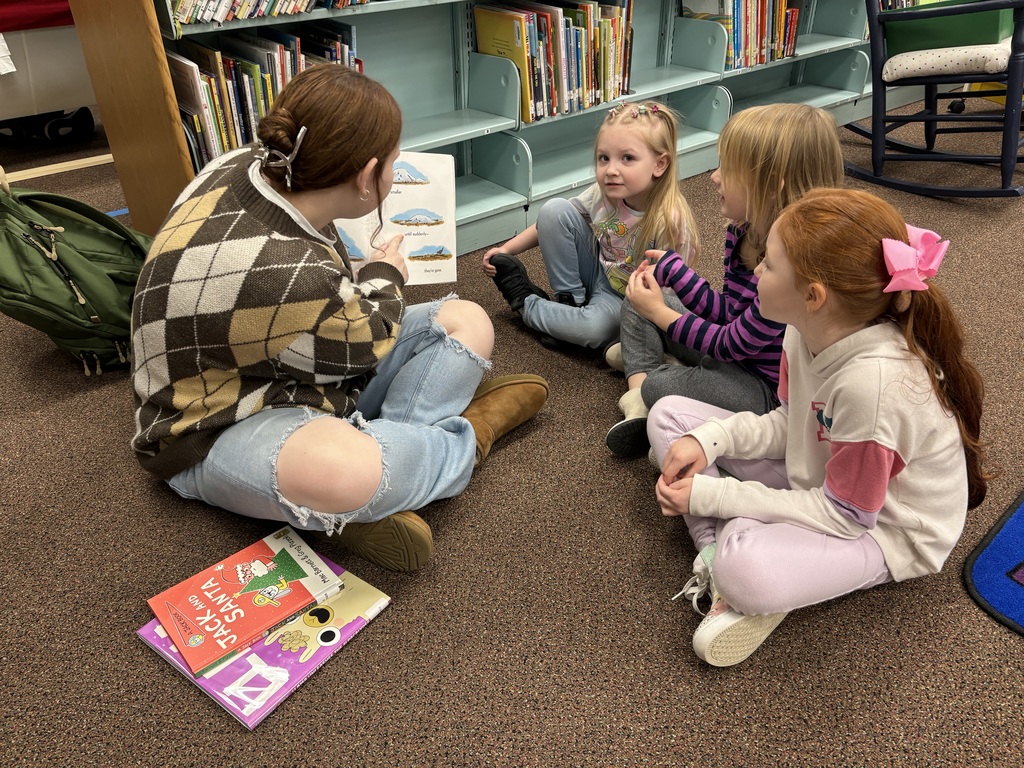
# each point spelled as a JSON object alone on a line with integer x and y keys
{"x": 700, "y": 377}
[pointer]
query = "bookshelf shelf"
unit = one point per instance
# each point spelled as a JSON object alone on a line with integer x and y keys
{"x": 814, "y": 44}
{"x": 174, "y": 31}
{"x": 466, "y": 104}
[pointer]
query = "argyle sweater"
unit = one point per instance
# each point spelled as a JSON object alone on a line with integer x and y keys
{"x": 242, "y": 306}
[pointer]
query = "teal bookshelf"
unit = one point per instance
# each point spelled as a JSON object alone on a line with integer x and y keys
{"x": 466, "y": 104}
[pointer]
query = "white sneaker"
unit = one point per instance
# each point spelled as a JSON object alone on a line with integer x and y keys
{"x": 613, "y": 357}
{"x": 701, "y": 583}
{"x": 726, "y": 637}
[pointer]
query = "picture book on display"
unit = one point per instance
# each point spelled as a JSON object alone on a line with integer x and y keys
{"x": 232, "y": 604}
{"x": 253, "y": 682}
{"x": 420, "y": 206}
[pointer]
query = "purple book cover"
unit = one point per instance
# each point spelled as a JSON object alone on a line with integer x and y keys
{"x": 251, "y": 684}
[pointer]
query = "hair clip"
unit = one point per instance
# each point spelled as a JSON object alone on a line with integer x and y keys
{"x": 613, "y": 111}
{"x": 910, "y": 264}
{"x": 275, "y": 158}
{"x": 643, "y": 109}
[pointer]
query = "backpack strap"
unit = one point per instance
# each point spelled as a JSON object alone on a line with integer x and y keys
{"x": 85, "y": 211}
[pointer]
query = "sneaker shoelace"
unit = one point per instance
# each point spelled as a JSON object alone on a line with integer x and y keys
{"x": 697, "y": 587}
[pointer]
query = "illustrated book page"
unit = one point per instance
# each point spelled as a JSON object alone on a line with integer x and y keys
{"x": 253, "y": 682}
{"x": 420, "y": 206}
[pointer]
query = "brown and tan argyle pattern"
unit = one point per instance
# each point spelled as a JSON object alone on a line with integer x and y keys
{"x": 239, "y": 309}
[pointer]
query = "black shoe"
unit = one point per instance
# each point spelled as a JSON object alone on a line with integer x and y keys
{"x": 513, "y": 282}
{"x": 569, "y": 300}
{"x": 628, "y": 438}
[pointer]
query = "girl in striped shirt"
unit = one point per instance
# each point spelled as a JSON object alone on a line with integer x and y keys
{"x": 704, "y": 344}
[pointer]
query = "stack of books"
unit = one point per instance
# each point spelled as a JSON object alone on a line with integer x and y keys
{"x": 227, "y": 83}
{"x": 758, "y": 31}
{"x": 253, "y": 627}
{"x": 570, "y": 55}
{"x": 205, "y": 11}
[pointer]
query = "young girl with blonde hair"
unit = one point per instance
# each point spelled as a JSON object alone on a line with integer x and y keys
{"x": 865, "y": 471}
{"x": 593, "y": 242}
{"x": 769, "y": 157}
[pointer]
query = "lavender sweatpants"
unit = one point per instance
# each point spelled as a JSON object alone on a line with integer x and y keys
{"x": 762, "y": 568}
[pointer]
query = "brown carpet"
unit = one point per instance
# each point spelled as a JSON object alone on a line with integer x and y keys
{"x": 542, "y": 634}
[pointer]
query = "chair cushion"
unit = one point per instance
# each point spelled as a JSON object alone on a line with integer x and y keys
{"x": 961, "y": 60}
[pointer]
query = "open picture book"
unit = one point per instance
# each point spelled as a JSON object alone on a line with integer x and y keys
{"x": 421, "y": 206}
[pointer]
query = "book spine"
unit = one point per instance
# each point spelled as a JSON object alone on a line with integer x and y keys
{"x": 218, "y": 110}
{"x": 536, "y": 65}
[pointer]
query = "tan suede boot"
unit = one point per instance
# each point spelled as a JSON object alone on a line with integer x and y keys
{"x": 502, "y": 404}
{"x": 628, "y": 438}
{"x": 398, "y": 542}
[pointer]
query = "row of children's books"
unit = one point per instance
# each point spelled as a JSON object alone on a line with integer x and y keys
{"x": 224, "y": 89}
{"x": 758, "y": 31}
{"x": 206, "y": 11}
{"x": 251, "y": 628}
{"x": 571, "y": 54}
{"x": 895, "y": 5}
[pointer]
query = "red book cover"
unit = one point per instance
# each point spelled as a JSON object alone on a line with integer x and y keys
{"x": 230, "y": 605}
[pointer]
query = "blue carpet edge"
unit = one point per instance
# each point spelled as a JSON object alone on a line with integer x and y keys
{"x": 968, "y": 568}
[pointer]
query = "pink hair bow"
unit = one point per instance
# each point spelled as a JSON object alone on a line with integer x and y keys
{"x": 910, "y": 264}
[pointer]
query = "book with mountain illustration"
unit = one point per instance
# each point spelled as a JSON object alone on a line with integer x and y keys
{"x": 232, "y": 604}
{"x": 420, "y": 206}
{"x": 251, "y": 683}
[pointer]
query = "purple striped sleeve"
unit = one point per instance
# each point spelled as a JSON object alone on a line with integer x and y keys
{"x": 727, "y": 326}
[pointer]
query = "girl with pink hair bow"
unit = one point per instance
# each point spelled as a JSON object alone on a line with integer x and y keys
{"x": 864, "y": 473}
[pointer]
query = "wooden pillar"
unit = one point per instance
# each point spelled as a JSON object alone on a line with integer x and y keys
{"x": 124, "y": 53}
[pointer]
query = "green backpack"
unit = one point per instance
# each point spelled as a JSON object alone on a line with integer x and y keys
{"x": 70, "y": 271}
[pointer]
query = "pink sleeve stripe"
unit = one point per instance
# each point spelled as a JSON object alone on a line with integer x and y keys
{"x": 784, "y": 379}
{"x": 857, "y": 477}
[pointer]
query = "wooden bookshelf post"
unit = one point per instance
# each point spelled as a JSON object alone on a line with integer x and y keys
{"x": 125, "y": 57}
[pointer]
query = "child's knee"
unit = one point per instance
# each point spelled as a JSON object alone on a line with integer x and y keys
{"x": 556, "y": 212}
{"x": 747, "y": 579}
{"x": 672, "y": 413}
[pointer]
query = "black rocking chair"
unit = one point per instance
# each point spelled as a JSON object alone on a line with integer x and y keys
{"x": 950, "y": 64}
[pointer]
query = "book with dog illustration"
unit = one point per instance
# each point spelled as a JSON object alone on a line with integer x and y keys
{"x": 234, "y": 603}
{"x": 421, "y": 207}
{"x": 252, "y": 683}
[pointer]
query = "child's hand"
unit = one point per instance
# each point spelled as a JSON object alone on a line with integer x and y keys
{"x": 643, "y": 291}
{"x": 674, "y": 499}
{"x": 485, "y": 265}
{"x": 653, "y": 257}
{"x": 684, "y": 459}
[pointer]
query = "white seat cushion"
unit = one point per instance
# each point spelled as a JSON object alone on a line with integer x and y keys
{"x": 961, "y": 60}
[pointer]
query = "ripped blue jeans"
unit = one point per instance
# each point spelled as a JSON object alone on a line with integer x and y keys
{"x": 411, "y": 407}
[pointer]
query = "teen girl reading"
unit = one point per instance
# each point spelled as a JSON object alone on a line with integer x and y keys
{"x": 865, "y": 471}
{"x": 729, "y": 352}
{"x": 591, "y": 243}
{"x": 273, "y": 382}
